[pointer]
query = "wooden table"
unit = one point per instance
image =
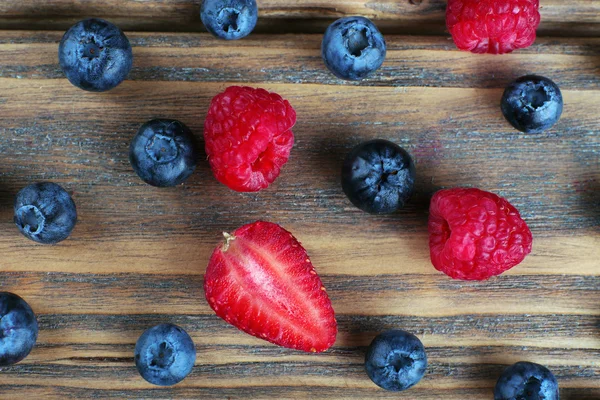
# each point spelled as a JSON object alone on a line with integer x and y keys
{"x": 138, "y": 253}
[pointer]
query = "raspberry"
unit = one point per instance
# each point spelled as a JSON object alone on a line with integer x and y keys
{"x": 492, "y": 26}
{"x": 474, "y": 234}
{"x": 248, "y": 137}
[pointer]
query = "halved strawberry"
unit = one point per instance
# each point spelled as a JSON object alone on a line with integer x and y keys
{"x": 261, "y": 281}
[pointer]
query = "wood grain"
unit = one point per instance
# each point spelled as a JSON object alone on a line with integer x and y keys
{"x": 559, "y": 18}
{"x": 138, "y": 253}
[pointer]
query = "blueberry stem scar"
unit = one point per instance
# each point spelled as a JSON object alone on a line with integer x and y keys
{"x": 91, "y": 49}
{"x": 357, "y": 40}
{"x": 32, "y": 219}
{"x": 161, "y": 148}
{"x": 536, "y": 98}
{"x": 400, "y": 361}
{"x": 229, "y": 18}
{"x": 161, "y": 356}
{"x": 532, "y": 386}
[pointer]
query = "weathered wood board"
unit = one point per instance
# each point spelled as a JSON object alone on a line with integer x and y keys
{"x": 137, "y": 255}
{"x": 559, "y": 17}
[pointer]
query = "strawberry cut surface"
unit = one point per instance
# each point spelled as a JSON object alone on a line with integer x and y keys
{"x": 261, "y": 281}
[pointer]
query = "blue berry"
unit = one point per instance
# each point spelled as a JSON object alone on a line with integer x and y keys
{"x": 532, "y": 104}
{"x": 353, "y": 47}
{"x": 18, "y": 329}
{"x": 95, "y": 55}
{"x": 45, "y": 213}
{"x": 163, "y": 152}
{"x": 396, "y": 360}
{"x": 229, "y": 19}
{"x": 378, "y": 176}
{"x": 164, "y": 355}
{"x": 526, "y": 381}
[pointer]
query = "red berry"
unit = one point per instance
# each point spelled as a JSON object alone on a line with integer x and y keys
{"x": 262, "y": 282}
{"x": 474, "y": 235}
{"x": 492, "y": 26}
{"x": 248, "y": 137}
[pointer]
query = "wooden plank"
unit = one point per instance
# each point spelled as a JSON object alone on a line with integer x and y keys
{"x": 339, "y": 373}
{"x": 268, "y": 392}
{"x": 535, "y": 332}
{"x": 573, "y": 18}
{"x": 411, "y": 61}
{"x": 138, "y": 253}
{"x": 422, "y": 295}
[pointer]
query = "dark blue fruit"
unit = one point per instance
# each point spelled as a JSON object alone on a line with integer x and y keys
{"x": 163, "y": 153}
{"x": 45, "y": 212}
{"x": 396, "y": 360}
{"x": 229, "y": 19}
{"x": 378, "y": 176}
{"x": 18, "y": 329}
{"x": 353, "y": 47}
{"x": 95, "y": 55}
{"x": 526, "y": 381}
{"x": 164, "y": 354}
{"x": 532, "y": 104}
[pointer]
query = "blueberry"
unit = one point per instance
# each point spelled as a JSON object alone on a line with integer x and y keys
{"x": 18, "y": 329}
{"x": 45, "y": 213}
{"x": 378, "y": 176}
{"x": 532, "y": 104}
{"x": 163, "y": 152}
{"x": 95, "y": 55}
{"x": 229, "y": 19}
{"x": 526, "y": 381}
{"x": 164, "y": 354}
{"x": 396, "y": 360}
{"x": 353, "y": 47}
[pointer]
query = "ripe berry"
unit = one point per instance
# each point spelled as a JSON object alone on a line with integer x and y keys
{"x": 474, "y": 235}
{"x": 18, "y": 329}
{"x": 353, "y": 47}
{"x": 396, "y": 360}
{"x": 492, "y": 26}
{"x": 248, "y": 137}
{"x": 532, "y": 104}
{"x": 164, "y": 354}
{"x": 95, "y": 55}
{"x": 162, "y": 152}
{"x": 44, "y": 212}
{"x": 229, "y": 19}
{"x": 526, "y": 381}
{"x": 261, "y": 281}
{"x": 378, "y": 176}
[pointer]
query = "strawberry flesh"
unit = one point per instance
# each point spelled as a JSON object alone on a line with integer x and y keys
{"x": 261, "y": 281}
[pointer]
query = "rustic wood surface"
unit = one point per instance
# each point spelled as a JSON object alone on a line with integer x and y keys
{"x": 559, "y": 17}
{"x": 138, "y": 253}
